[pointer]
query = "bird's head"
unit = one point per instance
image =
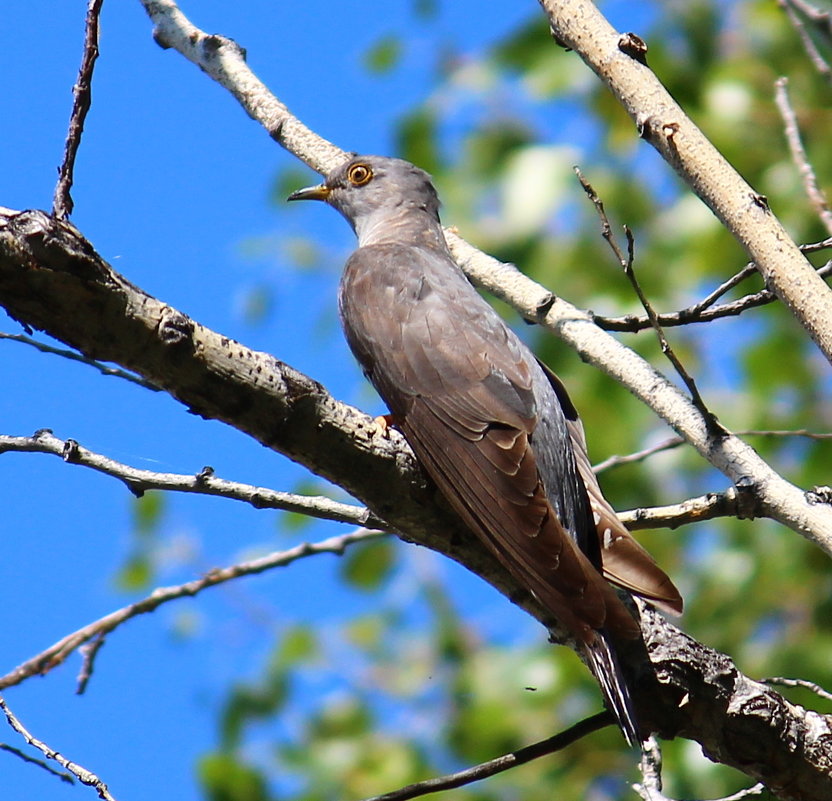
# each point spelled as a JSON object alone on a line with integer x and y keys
{"x": 369, "y": 189}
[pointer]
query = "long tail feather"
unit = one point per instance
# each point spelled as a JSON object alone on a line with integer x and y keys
{"x": 604, "y": 665}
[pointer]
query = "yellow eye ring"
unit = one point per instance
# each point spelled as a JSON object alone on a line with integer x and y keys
{"x": 359, "y": 174}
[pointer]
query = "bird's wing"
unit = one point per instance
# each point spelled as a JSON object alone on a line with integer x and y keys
{"x": 625, "y": 562}
{"x": 462, "y": 388}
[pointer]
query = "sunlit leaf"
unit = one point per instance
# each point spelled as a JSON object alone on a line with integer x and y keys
{"x": 367, "y": 565}
{"x": 384, "y": 55}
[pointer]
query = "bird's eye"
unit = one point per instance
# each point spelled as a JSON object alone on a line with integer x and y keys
{"x": 359, "y": 174}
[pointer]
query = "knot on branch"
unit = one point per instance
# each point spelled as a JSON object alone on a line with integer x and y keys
{"x": 214, "y": 43}
{"x": 175, "y": 329}
{"x": 633, "y": 46}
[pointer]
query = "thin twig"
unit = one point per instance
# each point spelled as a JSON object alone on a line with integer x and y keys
{"x": 726, "y": 286}
{"x": 795, "y": 432}
{"x": 748, "y": 792}
{"x": 674, "y": 442}
{"x": 701, "y": 311}
{"x": 650, "y": 788}
{"x": 57, "y": 653}
{"x": 202, "y": 483}
{"x": 638, "y": 456}
{"x": 808, "y": 685}
{"x": 809, "y": 46}
{"x": 693, "y": 510}
{"x": 82, "y": 774}
{"x": 77, "y": 357}
{"x": 502, "y": 763}
{"x": 629, "y": 270}
{"x": 88, "y": 651}
{"x": 822, "y": 20}
{"x": 82, "y": 99}
{"x": 801, "y": 160}
{"x": 62, "y": 775}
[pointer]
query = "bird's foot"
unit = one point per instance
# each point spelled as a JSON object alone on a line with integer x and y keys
{"x": 383, "y": 423}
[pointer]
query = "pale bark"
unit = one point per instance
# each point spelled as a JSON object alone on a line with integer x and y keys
{"x": 617, "y": 60}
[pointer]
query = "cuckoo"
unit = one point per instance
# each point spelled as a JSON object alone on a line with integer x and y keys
{"x": 490, "y": 424}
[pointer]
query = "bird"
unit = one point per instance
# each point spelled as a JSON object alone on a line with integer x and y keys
{"x": 490, "y": 424}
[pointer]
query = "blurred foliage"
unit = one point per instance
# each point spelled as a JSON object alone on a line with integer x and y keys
{"x": 138, "y": 570}
{"x": 384, "y": 55}
{"x": 415, "y": 690}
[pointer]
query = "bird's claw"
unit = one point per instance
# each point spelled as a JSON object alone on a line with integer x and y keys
{"x": 383, "y": 423}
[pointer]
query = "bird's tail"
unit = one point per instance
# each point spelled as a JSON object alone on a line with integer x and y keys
{"x": 603, "y": 662}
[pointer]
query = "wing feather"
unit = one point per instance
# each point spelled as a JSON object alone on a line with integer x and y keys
{"x": 624, "y": 561}
{"x": 463, "y": 389}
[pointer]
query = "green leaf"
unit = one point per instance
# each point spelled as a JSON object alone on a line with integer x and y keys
{"x": 135, "y": 574}
{"x": 384, "y": 55}
{"x": 416, "y": 139}
{"x": 225, "y": 778}
{"x": 299, "y": 644}
{"x": 367, "y": 565}
{"x": 148, "y": 511}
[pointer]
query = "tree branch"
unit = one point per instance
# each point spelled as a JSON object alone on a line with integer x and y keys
{"x": 62, "y": 775}
{"x": 82, "y": 99}
{"x": 579, "y": 25}
{"x": 223, "y": 60}
{"x": 738, "y": 721}
{"x": 801, "y": 160}
{"x": 777, "y": 498}
{"x": 48, "y": 273}
{"x": 820, "y": 19}
{"x": 203, "y": 483}
{"x": 485, "y": 769}
{"x": 82, "y": 774}
{"x": 704, "y": 311}
{"x": 730, "y": 503}
{"x": 77, "y": 357}
{"x": 807, "y": 685}
{"x": 650, "y": 788}
{"x": 627, "y": 264}
{"x": 57, "y": 653}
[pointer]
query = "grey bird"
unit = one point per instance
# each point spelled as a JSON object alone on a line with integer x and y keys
{"x": 490, "y": 424}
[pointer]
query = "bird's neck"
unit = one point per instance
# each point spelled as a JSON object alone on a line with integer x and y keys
{"x": 413, "y": 226}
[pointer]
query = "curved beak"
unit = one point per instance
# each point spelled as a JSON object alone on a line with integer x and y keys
{"x": 320, "y": 192}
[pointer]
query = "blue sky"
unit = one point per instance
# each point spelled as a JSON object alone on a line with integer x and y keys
{"x": 172, "y": 187}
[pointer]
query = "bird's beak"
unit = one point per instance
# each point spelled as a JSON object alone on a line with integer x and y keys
{"x": 320, "y": 192}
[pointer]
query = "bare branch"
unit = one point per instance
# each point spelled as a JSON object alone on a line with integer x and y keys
{"x": 779, "y": 499}
{"x": 82, "y": 99}
{"x": 225, "y": 61}
{"x": 817, "y": 17}
{"x": 808, "y": 685}
{"x": 725, "y": 286}
{"x": 629, "y": 271}
{"x": 82, "y": 774}
{"x": 638, "y": 456}
{"x": 579, "y": 25}
{"x": 57, "y": 653}
{"x": 88, "y": 651}
{"x": 62, "y": 775}
{"x": 675, "y": 442}
{"x": 650, "y": 788}
{"x": 704, "y": 311}
{"x": 807, "y": 173}
{"x": 202, "y": 483}
{"x": 729, "y": 503}
{"x": 78, "y": 357}
{"x": 485, "y": 769}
